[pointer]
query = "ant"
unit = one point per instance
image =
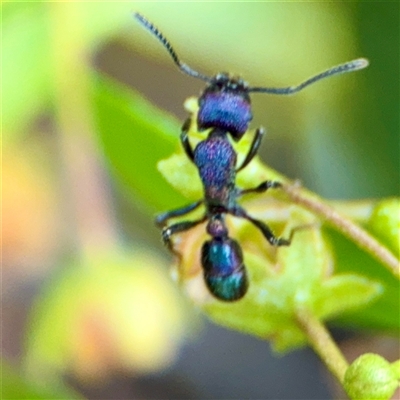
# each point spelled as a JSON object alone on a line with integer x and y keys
{"x": 225, "y": 109}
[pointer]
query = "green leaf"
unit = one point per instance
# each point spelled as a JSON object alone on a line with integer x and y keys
{"x": 345, "y": 292}
{"x": 135, "y": 135}
{"x": 383, "y": 313}
{"x": 188, "y": 184}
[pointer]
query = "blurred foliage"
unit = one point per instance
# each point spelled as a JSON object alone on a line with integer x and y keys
{"x": 123, "y": 315}
{"x": 129, "y": 126}
{"x": 343, "y": 141}
{"x": 16, "y": 387}
{"x": 29, "y": 212}
{"x": 28, "y": 51}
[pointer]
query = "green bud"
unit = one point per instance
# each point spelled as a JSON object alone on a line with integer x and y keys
{"x": 385, "y": 223}
{"x": 370, "y": 377}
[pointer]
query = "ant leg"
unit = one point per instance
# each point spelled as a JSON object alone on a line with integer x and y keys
{"x": 185, "y": 140}
{"x": 168, "y": 231}
{"x": 261, "y": 188}
{"x": 255, "y": 145}
{"x": 162, "y": 218}
{"x": 264, "y": 228}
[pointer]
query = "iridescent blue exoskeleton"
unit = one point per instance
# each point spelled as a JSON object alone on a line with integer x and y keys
{"x": 225, "y": 110}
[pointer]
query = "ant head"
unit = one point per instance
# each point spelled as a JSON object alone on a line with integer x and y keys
{"x": 225, "y": 104}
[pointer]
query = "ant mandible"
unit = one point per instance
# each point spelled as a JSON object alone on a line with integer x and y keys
{"x": 225, "y": 109}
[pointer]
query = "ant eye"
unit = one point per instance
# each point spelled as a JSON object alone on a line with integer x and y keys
{"x": 242, "y": 84}
{"x": 222, "y": 77}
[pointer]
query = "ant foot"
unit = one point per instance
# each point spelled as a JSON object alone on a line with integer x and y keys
{"x": 166, "y": 237}
{"x": 280, "y": 242}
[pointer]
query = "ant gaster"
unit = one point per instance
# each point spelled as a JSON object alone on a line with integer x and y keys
{"x": 225, "y": 109}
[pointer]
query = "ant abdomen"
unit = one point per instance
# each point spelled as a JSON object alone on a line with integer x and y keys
{"x": 224, "y": 272}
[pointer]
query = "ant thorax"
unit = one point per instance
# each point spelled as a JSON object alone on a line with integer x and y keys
{"x": 215, "y": 159}
{"x": 225, "y": 104}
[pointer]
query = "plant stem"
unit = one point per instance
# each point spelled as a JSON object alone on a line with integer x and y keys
{"x": 322, "y": 343}
{"x": 361, "y": 237}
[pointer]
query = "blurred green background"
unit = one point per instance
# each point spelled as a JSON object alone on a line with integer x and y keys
{"x": 86, "y": 292}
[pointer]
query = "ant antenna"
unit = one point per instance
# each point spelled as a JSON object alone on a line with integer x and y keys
{"x": 350, "y": 66}
{"x": 164, "y": 41}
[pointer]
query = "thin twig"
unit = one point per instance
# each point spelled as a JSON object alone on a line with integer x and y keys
{"x": 322, "y": 343}
{"x": 362, "y": 238}
{"x": 86, "y": 194}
